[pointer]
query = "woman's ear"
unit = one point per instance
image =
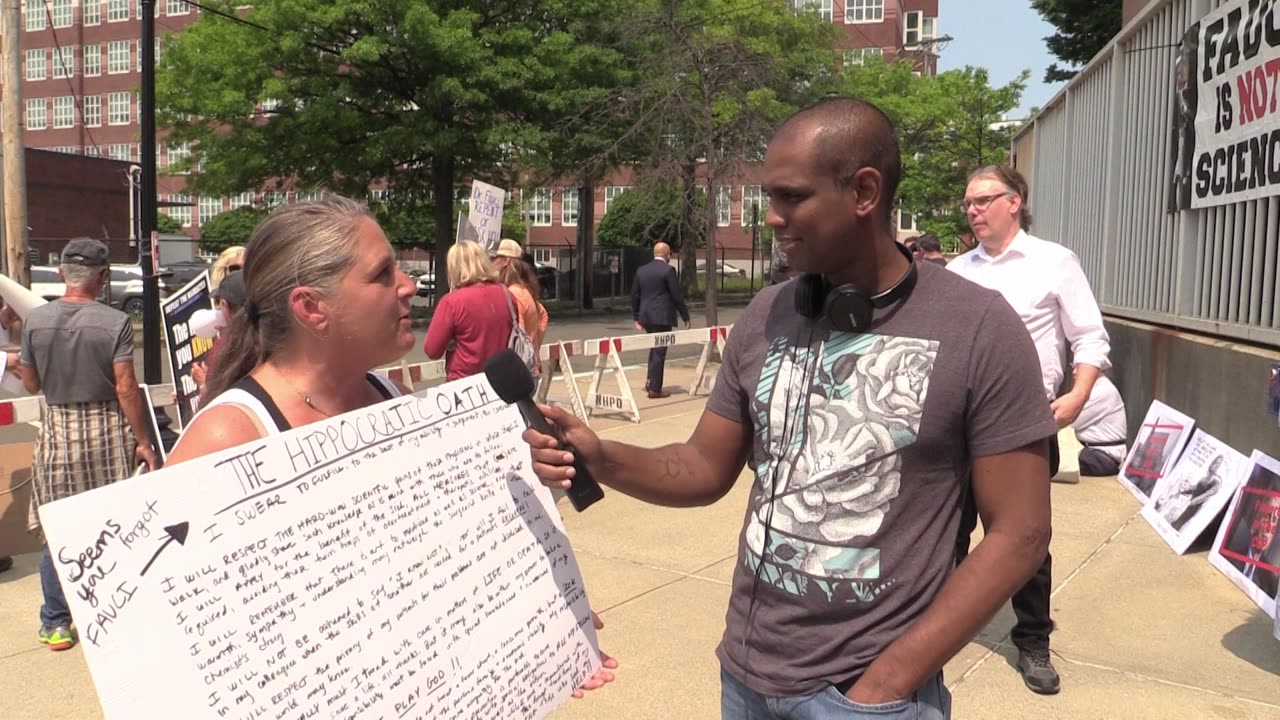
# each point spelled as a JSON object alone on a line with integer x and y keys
{"x": 310, "y": 308}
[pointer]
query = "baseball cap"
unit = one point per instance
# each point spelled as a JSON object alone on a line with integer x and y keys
{"x": 509, "y": 248}
{"x": 232, "y": 289}
{"x": 85, "y": 251}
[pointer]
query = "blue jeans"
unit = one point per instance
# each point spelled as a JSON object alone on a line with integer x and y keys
{"x": 738, "y": 702}
{"x": 54, "y": 611}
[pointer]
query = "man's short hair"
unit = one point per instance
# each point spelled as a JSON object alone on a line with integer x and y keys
{"x": 75, "y": 275}
{"x": 929, "y": 243}
{"x": 854, "y": 135}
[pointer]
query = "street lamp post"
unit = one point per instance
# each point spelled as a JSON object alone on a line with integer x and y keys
{"x": 151, "y": 370}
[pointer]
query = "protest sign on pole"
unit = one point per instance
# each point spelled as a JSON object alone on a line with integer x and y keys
{"x": 397, "y": 561}
{"x": 1233, "y": 92}
{"x": 186, "y": 348}
{"x": 485, "y": 214}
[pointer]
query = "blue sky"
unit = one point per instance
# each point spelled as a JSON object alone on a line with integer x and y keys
{"x": 1006, "y": 37}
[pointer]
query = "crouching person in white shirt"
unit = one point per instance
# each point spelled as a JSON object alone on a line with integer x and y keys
{"x": 1102, "y": 429}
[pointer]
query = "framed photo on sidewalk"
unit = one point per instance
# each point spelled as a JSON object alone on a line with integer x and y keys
{"x": 1246, "y": 549}
{"x": 1187, "y": 501}
{"x": 1163, "y": 435}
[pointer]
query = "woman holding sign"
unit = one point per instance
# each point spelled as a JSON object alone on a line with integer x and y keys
{"x": 325, "y": 305}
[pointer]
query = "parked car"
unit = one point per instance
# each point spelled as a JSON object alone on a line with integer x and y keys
{"x": 126, "y": 288}
{"x": 46, "y": 282}
{"x": 425, "y": 280}
{"x": 184, "y": 271}
{"x": 723, "y": 269}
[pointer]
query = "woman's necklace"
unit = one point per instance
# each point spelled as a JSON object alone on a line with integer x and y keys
{"x": 306, "y": 399}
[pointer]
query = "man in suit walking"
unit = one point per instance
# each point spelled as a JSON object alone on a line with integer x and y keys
{"x": 655, "y": 299}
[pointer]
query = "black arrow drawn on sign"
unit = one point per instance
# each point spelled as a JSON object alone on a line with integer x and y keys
{"x": 176, "y": 532}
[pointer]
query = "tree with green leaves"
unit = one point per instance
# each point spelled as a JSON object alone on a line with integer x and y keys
{"x": 641, "y": 217}
{"x": 1084, "y": 28}
{"x": 714, "y": 78}
{"x": 230, "y": 228}
{"x": 342, "y": 93}
{"x": 166, "y": 223}
{"x": 948, "y": 125}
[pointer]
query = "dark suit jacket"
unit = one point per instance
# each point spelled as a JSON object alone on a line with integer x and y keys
{"x": 656, "y": 295}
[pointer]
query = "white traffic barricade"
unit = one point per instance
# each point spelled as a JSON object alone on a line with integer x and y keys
{"x": 607, "y": 352}
{"x": 555, "y": 359}
{"x": 716, "y": 336}
{"x": 608, "y": 359}
{"x": 410, "y": 374}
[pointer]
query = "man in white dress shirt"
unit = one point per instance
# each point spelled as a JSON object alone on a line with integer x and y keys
{"x": 1045, "y": 285}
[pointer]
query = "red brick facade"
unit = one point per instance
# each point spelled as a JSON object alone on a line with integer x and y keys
{"x": 70, "y": 196}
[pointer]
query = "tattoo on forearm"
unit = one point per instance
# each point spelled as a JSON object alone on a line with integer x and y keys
{"x": 672, "y": 469}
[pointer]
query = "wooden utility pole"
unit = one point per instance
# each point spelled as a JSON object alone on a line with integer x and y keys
{"x": 15, "y": 157}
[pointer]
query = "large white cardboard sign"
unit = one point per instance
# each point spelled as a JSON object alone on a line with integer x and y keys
{"x": 1186, "y": 501}
{"x": 399, "y": 561}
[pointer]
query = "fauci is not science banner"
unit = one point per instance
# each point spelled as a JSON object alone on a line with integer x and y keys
{"x": 1229, "y": 81}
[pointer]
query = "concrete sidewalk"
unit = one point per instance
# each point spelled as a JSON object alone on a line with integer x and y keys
{"x": 1142, "y": 633}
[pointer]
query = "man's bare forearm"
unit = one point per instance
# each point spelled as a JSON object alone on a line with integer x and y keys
{"x": 997, "y": 567}
{"x": 676, "y": 475}
{"x": 134, "y": 413}
{"x": 1085, "y": 377}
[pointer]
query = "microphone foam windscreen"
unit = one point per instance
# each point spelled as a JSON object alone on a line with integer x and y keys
{"x": 509, "y": 376}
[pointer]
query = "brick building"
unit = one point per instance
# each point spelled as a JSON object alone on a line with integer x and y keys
{"x": 71, "y": 196}
{"x": 81, "y": 70}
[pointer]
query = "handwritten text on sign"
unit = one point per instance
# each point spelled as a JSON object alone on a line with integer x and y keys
{"x": 394, "y": 562}
{"x": 485, "y": 214}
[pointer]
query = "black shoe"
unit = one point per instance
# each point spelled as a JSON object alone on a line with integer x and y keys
{"x": 1037, "y": 671}
{"x": 6, "y": 562}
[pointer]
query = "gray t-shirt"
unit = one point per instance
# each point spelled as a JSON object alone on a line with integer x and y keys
{"x": 74, "y": 346}
{"x": 876, "y": 433}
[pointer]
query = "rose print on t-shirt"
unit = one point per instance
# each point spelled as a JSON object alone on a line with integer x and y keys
{"x": 835, "y": 417}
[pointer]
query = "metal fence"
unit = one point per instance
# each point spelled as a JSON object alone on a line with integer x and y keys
{"x": 1097, "y": 159}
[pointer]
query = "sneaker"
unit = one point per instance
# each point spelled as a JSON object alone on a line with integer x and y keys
{"x": 1037, "y": 671}
{"x": 57, "y": 638}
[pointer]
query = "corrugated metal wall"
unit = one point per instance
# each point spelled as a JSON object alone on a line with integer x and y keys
{"x": 1099, "y": 176}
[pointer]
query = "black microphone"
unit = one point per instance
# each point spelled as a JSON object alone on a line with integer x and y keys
{"x": 512, "y": 381}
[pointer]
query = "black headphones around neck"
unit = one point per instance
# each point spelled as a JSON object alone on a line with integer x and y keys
{"x": 848, "y": 308}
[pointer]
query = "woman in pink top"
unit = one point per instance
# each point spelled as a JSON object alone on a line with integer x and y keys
{"x": 473, "y": 321}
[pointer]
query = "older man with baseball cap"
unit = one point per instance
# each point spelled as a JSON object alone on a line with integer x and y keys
{"x": 79, "y": 352}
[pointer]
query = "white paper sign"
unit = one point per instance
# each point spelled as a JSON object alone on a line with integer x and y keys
{"x": 1247, "y": 549}
{"x": 485, "y": 214}
{"x": 398, "y": 561}
{"x": 1188, "y": 499}
{"x": 1163, "y": 434}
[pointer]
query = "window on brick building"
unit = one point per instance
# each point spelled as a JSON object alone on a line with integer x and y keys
{"x": 568, "y": 206}
{"x": 37, "y": 114}
{"x": 36, "y": 69}
{"x": 863, "y": 11}
{"x": 64, "y": 111}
